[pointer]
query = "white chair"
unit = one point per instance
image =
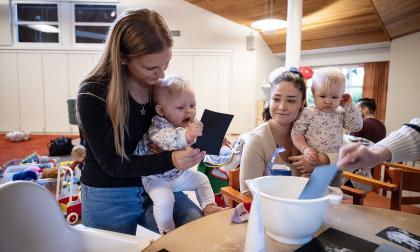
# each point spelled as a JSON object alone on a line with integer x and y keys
{"x": 31, "y": 220}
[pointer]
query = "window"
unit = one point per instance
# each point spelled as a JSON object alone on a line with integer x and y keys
{"x": 354, "y": 82}
{"x": 92, "y": 22}
{"x": 36, "y": 23}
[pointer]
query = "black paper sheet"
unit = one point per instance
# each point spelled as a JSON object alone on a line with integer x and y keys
{"x": 336, "y": 240}
{"x": 215, "y": 127}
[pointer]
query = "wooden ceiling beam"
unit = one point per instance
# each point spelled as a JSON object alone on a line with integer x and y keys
{"x": 380, "y": 20}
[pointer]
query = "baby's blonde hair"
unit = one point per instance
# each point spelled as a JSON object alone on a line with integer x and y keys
{"x": 169, "y": 86}
{"x": 327, "y": 78}
{"x": 78, "y": 151}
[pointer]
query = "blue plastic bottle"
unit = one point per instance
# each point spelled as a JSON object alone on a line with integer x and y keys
{"x": 276, "y": 166}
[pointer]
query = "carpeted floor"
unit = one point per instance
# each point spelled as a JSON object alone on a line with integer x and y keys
{"x": 18, "y": 150}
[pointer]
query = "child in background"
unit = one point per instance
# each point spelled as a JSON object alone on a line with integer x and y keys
{"x": 174, "y": 127}
{"x": 78, "y": 154}
{"x": 319, "y": 129}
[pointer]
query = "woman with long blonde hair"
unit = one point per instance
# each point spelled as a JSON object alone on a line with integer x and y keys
{"x": 115, "y": 110}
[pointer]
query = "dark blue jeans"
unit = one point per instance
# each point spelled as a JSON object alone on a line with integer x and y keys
{"x": 121, "y": 209}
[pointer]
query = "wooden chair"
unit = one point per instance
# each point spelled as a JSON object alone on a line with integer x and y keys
{"x": 231, "y": 193}
{"x": 233, "y": 196}
{"x": 396, "y": 179}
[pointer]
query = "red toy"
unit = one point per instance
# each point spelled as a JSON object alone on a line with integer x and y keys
{"x": 71, "y": 206}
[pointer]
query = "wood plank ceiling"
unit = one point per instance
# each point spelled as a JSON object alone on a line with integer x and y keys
{"x": 327, "y": 23}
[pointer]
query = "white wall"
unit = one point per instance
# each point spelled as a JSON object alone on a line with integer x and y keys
{"x": 211, "y": 48}
{"x": 203, "y": 29}
{"x": 265, "y": 64}
{"x": 403, "y": 102}
{"x": 346, "y": 55}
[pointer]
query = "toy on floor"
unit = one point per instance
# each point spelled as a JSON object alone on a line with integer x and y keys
{"x": 31, "y": 158}
{"x": 6, "y": 165}
{"x": 17, "y": 136}
{"x": 25, "y": 175}
{"x": 44, "y": 159}
{"x": 50, "y": 172}
{"x": 71, "y": 205}
{"x": 17, "y": 169}
{"x": 22, "y": 172}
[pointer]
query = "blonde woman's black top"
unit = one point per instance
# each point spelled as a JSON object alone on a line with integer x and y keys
{"x": 103, "y": 166}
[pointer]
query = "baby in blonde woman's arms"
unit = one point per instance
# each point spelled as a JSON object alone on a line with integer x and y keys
{"x": 319, "y": 128}
{"x": 173, "y": 128}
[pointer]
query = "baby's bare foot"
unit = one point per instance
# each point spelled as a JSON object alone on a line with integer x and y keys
{"x": 212, "y": 208}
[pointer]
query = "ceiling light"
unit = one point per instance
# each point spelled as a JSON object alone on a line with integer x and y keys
{"x": 269, "y": 24}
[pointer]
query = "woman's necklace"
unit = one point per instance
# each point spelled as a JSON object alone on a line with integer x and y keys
{"x": 143, "y": 109}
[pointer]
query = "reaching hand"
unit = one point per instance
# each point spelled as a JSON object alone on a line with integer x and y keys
{"x": 187, "y": 158}
{"x": 227, "y": 143}
{"x": 194, "y": 130}
{"x": 346, "y": 99}
{"x": 310, "y": 154}
{"x": 154, "y": 148}
{"x": 356, "y": 155}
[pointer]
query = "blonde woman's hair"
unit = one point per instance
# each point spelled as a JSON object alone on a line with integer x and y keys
{"x": 326, "y": 78}
{"x": 168, "y": 87}
{"x": 135, "y": 33}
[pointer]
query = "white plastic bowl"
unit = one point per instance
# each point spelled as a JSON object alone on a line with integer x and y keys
{"x": 286, "y": 218}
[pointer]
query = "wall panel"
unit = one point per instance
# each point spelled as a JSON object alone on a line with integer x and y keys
{"x": 9, "y": 102}
{"x": 224, "y": 80}
{"x": 31, "y": 92}
{"x": 55, "y": 72}
{"x": 79, "y": 66}
{"x": 39, "y": 84}
{"x": 205, "y": 82}
{"x": 181, "y": 65}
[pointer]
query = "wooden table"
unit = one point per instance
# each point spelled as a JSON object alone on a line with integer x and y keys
{"x": 217, "y": 233}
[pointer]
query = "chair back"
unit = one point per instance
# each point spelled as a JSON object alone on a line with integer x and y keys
{"x": 407, "y": 178}
{"x": 234, "y": 181}
{"x": 31, "y": 220}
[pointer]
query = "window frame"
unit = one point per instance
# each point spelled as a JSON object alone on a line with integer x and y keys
{"x": 74, "y": 24}
{"x": 15, "y": 25}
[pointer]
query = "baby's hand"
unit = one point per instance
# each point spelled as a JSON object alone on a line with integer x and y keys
{"x": 154, "y": 148}
{"x": 346, "y": 99}
{"x": 311, "y": 155}
{"x": 194, "y": 130}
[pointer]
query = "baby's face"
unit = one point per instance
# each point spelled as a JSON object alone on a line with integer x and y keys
{"x": 78, "y": 157}
{"x": 180, "y": 109}
{"x": 327, "y": 99}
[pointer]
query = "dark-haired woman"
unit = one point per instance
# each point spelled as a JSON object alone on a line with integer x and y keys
{"x": 288, "y": 96}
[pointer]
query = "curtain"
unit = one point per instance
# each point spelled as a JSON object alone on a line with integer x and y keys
{"x": 375, "y": 85}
